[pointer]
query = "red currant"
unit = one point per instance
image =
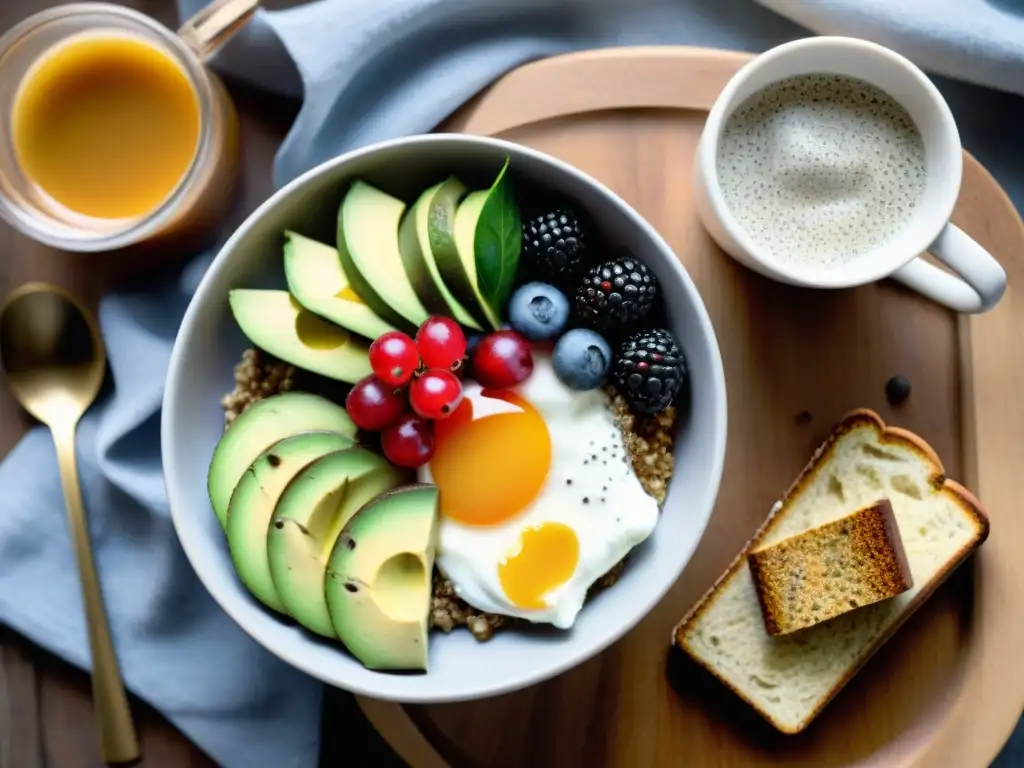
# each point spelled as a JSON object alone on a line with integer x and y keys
{"x": 393, "y": 357}
{"x": 409, "y": 442}
{"x": 502, "y": 359}
{"x": 441, "y": 342}
{"x": 435, "y": 393}
{"x": 372, "y": 404}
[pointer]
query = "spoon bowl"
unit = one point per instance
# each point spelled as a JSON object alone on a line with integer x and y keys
{"x": 52, "y": 353}
{"x": 53, "y": 356}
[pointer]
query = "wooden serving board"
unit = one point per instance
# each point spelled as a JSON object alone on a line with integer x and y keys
{"x": 949, "y": 687}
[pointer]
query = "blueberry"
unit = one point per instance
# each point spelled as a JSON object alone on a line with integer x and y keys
{"x": 582, "y": 359}
{"x": 538, "y": 311}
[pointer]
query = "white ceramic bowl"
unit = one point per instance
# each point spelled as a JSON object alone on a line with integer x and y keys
{"x": 209, "y": 344}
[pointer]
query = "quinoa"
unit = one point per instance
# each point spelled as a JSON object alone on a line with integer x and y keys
{"x": 256, "y": 376}
{"x": 448, "y": 611}
{"x": 648, "y": 440}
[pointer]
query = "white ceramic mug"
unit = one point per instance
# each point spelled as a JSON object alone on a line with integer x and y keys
{"x": 981, "y": 280}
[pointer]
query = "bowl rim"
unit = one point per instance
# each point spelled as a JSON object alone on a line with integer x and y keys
{"x": 585, "y": 647}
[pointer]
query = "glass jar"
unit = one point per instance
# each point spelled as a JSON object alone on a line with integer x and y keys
{"x": 204, "y": 191}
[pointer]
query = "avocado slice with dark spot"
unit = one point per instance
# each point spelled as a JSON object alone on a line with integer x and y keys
{"x": 257, "y": 428}
{"x": 379, "y": 578}
{"x": 253, "y": 501}
{"x": 307, "y": 520}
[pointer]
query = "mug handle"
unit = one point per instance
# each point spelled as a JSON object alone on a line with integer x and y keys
{"x": 981, "y": 283}
{"x": 208, "y": 30}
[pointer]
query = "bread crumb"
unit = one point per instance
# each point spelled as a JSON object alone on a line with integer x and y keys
{"x": 648, "y": 440}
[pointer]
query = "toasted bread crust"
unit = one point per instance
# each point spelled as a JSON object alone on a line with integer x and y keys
{"x": 894, "y": 435}
{"x": 830, "y": 569}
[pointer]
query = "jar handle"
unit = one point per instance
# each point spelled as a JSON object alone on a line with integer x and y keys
{"x": 214, "y": 25}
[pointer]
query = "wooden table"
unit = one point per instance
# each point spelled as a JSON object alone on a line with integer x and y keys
{"x": 46, "y": 704}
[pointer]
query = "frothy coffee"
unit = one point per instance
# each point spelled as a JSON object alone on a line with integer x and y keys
{"x": 821, "y": 169}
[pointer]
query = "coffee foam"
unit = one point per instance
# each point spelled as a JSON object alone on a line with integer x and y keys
{"x": 821, "y": 169}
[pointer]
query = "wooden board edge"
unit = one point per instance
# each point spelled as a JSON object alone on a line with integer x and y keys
{"x": 666, "y": 77}
{"x": 962, "y": 737}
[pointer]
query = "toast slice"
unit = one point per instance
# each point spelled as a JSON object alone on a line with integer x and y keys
{"x": 826, "y": 571}
{"x": 789, "y": 679}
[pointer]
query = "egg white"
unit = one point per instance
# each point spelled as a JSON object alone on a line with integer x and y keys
{"x": 604, "y": 503}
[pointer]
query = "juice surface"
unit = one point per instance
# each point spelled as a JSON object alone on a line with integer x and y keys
{"x": 106, "y": 125}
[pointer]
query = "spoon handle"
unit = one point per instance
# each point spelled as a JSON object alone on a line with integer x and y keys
{"x": 118, "y": 741}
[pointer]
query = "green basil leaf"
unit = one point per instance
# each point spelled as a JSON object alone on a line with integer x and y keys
{"x": 498, "y": 242}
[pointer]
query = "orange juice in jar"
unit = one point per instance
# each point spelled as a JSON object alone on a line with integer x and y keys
{"x": 117, "y": 134}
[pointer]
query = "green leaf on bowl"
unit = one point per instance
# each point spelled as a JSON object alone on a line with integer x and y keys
{"x": 498, "y": 241}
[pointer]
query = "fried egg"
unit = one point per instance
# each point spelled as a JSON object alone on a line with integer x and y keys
{"x": 538, "y": 498}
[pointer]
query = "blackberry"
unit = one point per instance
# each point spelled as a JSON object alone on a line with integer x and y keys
{"x": 616, "y": 293}
{"x": 650, "y": 370}
{"x": 554, "y": 248}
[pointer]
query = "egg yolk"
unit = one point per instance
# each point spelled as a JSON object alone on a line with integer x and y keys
{"x": 489, "y": 469}
{"x": 546, "y": 558}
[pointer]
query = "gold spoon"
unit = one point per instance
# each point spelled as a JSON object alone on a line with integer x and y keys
{"x": 53, "y": 356}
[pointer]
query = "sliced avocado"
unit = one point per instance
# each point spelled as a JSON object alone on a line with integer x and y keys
{"x": 257, "y": 428}
{"x": 414, "y": 244}
{"x": 379, "y": 578}
{"x": 368, "y": 244}
{"x": 309, "y": 516}
{"x": 253, "y": 501}
{"x": 317, "y": 281}
{"x": 466, "y": 218}
{"x": 458, "y": 276}
{"x": 275, "y": 322}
